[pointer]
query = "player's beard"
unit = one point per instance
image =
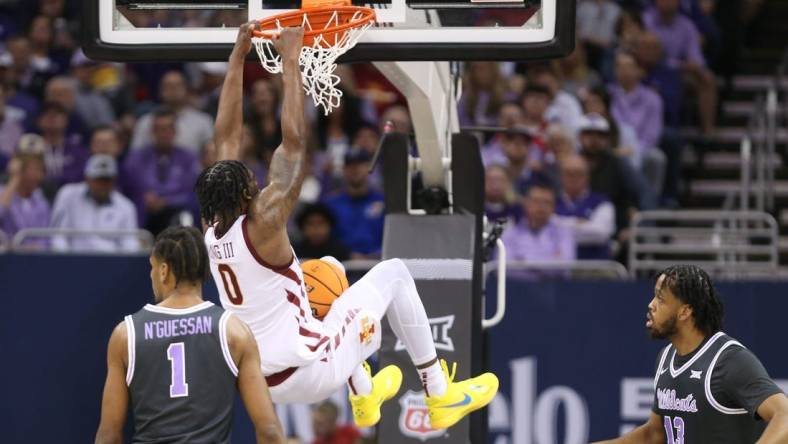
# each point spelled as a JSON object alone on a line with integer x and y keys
{"x": 666, "y": 330}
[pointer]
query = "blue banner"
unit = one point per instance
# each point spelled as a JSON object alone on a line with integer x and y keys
{"x": 574, "y": 361}
{"x": 576, "y": 364}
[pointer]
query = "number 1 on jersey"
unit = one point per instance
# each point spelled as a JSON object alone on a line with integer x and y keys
{"x": 176, "y": 353}
{"x": 678, "y": 424}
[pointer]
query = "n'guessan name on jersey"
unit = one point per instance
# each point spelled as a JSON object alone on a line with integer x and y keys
{"x": 170, "y": 328}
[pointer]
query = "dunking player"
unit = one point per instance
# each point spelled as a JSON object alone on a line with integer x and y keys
{"x": 709, "y": 388}
{"x": 259, "y": 279}
{"x": 179, "y": 361}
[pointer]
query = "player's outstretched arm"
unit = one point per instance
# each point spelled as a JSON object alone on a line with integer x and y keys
{"x": 651, "y": 432}
{"x": 251, "y": 383}
{"x": 774, "y": 410}
{"x": 115, "y": 401}
{"x": 271, "y": 209}
{"x": 229, "y": 118}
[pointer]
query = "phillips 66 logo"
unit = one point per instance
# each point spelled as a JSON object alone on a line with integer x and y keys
{"x": 414, "y": 418}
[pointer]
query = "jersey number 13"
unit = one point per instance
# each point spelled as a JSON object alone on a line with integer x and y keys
{"x": 677, "y": 424}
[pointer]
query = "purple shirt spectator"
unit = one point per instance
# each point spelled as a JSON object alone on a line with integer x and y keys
{"x": 31, "y": 212}
{"x": 11, "y": 129}
{"x": 502, "y": 210}
{"x": 26, "y": 104}
{"x": 499, "y": 201}
{"x": 680, "y": 38}
{"x": 65, "y": 163}
{"x": 64, "y": 155}
{"x": 22, "y": 203}
{"x": 539, "y": 236}
{"x": 667, "y": 82}
{"x": 553, "y": 242}
{"x": 169, "y": 176}
{"x": 593, "y": 219}
{"x": 492, "y": 152}
{"x": 640, "y": 108}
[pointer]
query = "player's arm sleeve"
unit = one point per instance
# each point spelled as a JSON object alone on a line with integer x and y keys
{"x": 115, "y": 401}
{"x": 252, "y": 385}
{"x": 745, "y": 380}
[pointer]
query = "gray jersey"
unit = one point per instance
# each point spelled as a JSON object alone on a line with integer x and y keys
{"x": 181, "y": 376}
{"x": 711, "y": 395}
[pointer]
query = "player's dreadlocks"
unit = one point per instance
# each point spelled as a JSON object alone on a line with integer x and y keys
{"x": 221, "y": 189}
{"x": 693, "y": 286}
{"x": 183, "y": 249}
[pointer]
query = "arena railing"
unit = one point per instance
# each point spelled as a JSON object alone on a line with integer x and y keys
{"x": 22, "y": 240}
{"x": 759, "y": 145}
{"x": 579, "y": 269}
{"x": 728, "y": 244}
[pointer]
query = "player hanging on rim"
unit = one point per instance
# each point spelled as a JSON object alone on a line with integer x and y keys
{"x": 260, "y": 281}
{"x": 709, "y": 387}
{"x": 179, "y": 362}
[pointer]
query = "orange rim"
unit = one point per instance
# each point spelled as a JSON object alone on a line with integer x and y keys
{"x": 322, "y": 15}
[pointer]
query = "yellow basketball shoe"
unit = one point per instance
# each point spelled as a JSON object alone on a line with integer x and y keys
{"x": 460, "y": 398}
{"x": 385, "y": 384}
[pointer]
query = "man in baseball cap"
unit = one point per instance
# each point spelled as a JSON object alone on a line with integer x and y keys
{"x": 93, "y": 206}
{"x": 609, "y": 175}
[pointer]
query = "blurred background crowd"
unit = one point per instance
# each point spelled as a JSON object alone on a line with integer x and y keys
{"x": 588, "y": 139}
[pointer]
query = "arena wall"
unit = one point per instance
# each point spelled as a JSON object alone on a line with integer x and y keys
{"x": 573, "y": 357}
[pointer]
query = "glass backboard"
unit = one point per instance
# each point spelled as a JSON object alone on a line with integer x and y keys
{"x": 204, "y": 30}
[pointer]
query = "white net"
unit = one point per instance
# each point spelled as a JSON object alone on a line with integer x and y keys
{"x": 317, "y": 61}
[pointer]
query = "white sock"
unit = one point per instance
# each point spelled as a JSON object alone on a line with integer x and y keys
{"x": 433, "y": 380}
{"x": 359, "y": 382}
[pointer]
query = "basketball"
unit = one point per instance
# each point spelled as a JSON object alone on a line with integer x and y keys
{"x": 324, "y": 282}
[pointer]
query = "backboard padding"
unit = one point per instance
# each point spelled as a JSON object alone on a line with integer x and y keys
{"x": 145, "y": 30}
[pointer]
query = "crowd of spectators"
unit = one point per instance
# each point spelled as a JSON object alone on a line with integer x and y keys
{"x": 587, "y": 139}
{"x": 594, "y": 137}
{"x": 87, "y": 146}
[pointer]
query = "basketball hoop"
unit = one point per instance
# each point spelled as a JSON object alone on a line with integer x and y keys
{"x": 331, "y": 28}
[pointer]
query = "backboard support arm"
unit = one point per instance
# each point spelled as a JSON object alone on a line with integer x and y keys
{"x": 432, "y": 101}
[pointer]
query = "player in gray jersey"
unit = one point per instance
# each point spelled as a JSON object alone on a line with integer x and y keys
{"x": 709, "y": 389}
{"x": 179, "y": 362}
